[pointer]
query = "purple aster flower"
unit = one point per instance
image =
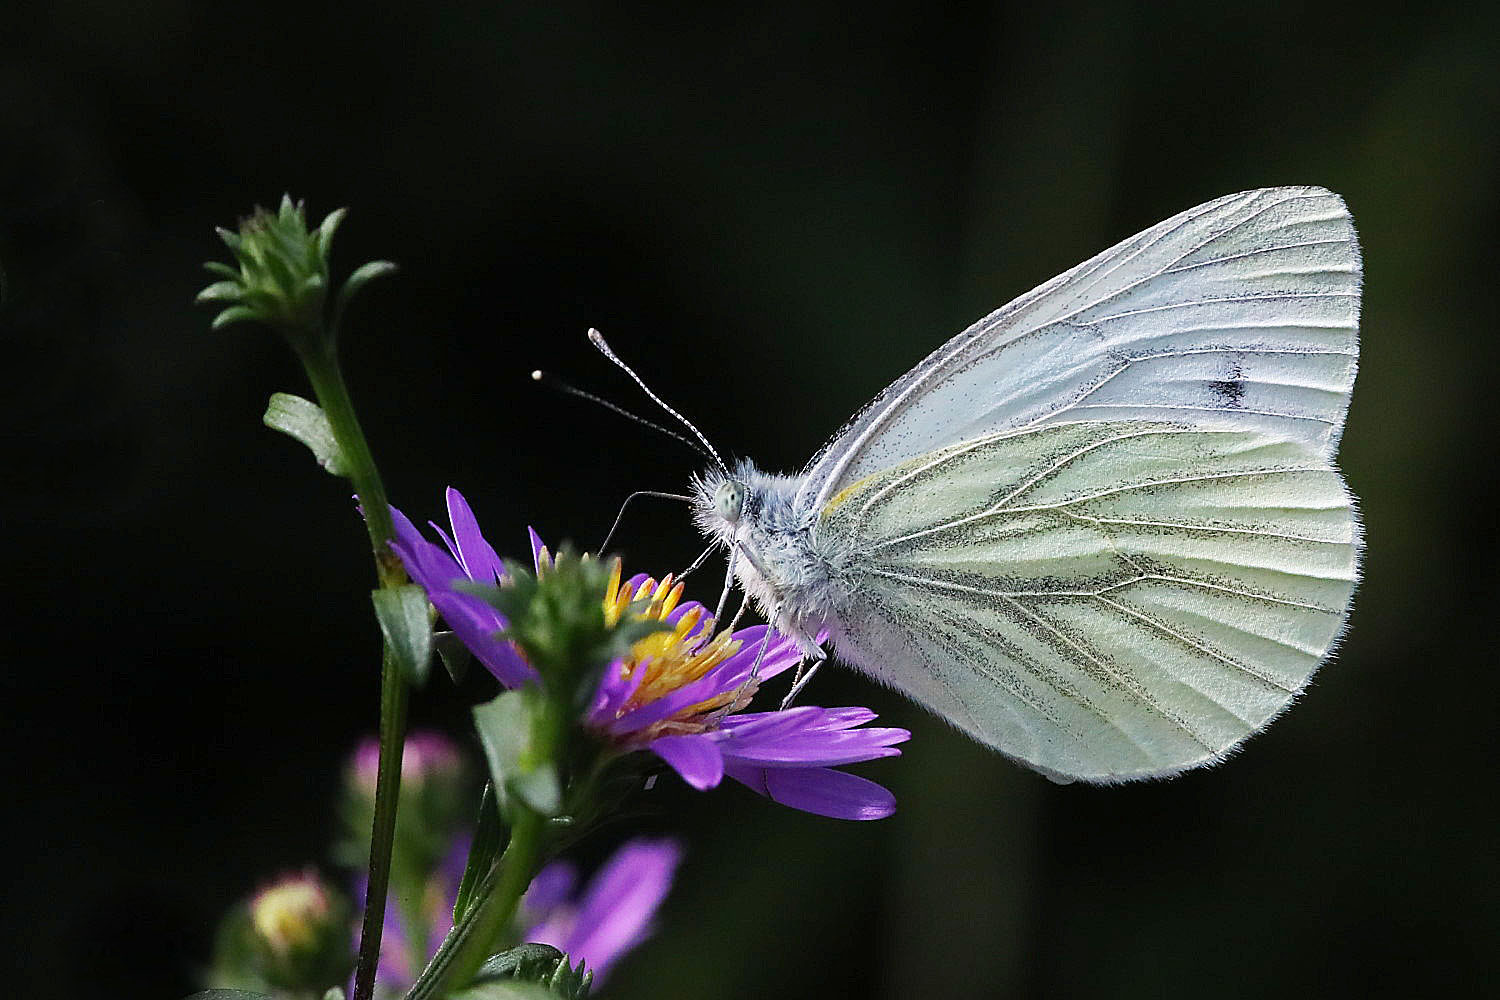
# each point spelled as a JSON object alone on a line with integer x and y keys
{"x": 468, "y": 557}
{"x": 613, "y": 914}
{"x": 680, "y": 693}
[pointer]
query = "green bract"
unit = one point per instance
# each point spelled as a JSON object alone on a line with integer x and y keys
{"x": 282, "y": 274}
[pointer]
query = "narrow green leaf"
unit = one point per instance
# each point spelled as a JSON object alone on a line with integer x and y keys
{"x": 541, "y": 964}
{"x": 505, "y": 733}
{"x": 505, "y": 989}
{"x": 366, "y": 273}
{"x": 230, "y": 995}
{"x": 529, "y": 961}
{"x": 230, "y": 237}
{"x": 490, "y": 836}
{"x": 305, "y": 420}
{"x": 362, "y": 276}
{"x": 402, "y": 612}
{"x": 222, "y": 269}
{"x": 234, "y": 314}
{"x": 331, "y": 223}
{"x": 456, "y": 656}
{"x": 222, "y": 291}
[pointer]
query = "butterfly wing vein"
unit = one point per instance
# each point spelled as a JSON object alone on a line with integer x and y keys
{"x": 1102, "y": 600}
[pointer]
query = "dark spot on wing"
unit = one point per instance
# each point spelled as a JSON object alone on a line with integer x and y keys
{"x": 1229, "y": 391}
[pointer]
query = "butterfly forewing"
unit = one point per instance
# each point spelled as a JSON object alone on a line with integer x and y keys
{"x": 1241, "y": 312}
{"x": 1103, "y": 600}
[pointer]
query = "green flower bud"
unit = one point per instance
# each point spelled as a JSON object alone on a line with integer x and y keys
{"x": 282, "y": 275}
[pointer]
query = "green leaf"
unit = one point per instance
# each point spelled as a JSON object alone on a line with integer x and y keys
{"x": 404, "y": 621}
{"x": 362, "y": 276}
{"x": 222, "y": 270}
{"x": 234, "y": 314}
{"x": 222, "y": 291}
{"x": 230, "y": 995}
{"x": 456, "y": 656}
{"x": 334, "y": 993}
{"x": 538, "y": 964}
{"x": 331, "y": 223}
{"x": 505, "y": 731}
{"x": 505, "y": 989}
{"x": 305, "y": 420}
{"x": 489, "y": 842}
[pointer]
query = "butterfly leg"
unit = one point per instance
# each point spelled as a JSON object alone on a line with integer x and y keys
{"x": 804, "y": 677}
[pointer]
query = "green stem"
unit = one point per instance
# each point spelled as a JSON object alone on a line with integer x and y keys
{"x": 327, "y": 379}
{"x": 494, "y": 907}
{"x": 477, "y": 935}
{"x": 328, "y": 384}
{"x": 393, "y": 699}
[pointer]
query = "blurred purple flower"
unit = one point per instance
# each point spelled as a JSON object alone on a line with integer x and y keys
{"x": 613, "y": 914}
{"x": 678, "y": 692}
{"x": 427, "y": 754}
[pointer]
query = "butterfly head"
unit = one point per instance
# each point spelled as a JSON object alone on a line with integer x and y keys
{"x": 721, "y": 502}
{"x": 729, "y": 500}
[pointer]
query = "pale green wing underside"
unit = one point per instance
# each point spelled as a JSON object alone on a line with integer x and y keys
{"x": 1100, "y": 600}
{"x": 1239, "y": 313}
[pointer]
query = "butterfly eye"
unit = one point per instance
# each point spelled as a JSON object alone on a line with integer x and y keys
{"x": 729, "y": 500}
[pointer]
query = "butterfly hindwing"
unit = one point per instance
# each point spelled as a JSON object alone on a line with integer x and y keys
{"x": 1103, "y": 600}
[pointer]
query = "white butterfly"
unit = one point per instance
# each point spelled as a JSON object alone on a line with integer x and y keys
{"x": 1100, "y": 530}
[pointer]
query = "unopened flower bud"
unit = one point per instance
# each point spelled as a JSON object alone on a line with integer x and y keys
{"x": 300, "y": 931}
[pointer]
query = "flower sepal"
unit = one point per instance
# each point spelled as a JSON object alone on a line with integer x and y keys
{"x": 538, "y": 964}
{"x": 556, "y": 617}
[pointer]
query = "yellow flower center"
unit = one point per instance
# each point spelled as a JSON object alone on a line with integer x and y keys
{"x": 667, "y": 661}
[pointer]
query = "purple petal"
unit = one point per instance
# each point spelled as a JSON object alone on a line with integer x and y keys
{"x": 818, "y": 749}
{"x": 472, "y": 618}
{"x": 537, "y": 548}
{"x": 476, "y": 554}
{"x": 781, "y": 654}
{"x": 425, "y": 563}
{"x": 807, "y": 737}
{"x": 712, "y": 684}
{"x": 818, "y": 790}
{"x": 613, "y": 693}
{"x": 616, "y": 912}
{"x": 617, "y": 909}
{"x": 696, "y": 758}
{"x": 478, "y": 625}
{"x": 551, "y": 887}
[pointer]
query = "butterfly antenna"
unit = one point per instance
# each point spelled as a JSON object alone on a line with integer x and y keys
{"x": 553, "y": 382}
{"x": 597, "y": 339}
{"x": 638, "y": 493}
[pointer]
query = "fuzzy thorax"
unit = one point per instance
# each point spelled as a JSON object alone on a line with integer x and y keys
{"x": 779, "y": 564}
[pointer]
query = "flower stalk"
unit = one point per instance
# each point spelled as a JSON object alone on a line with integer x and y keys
{"x": 475, "y": 937}
{"x": 282, "y": 281}
{"x": 320, "y": 360}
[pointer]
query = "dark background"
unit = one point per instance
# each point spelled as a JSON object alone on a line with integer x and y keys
{"x": 772, "y": 214}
